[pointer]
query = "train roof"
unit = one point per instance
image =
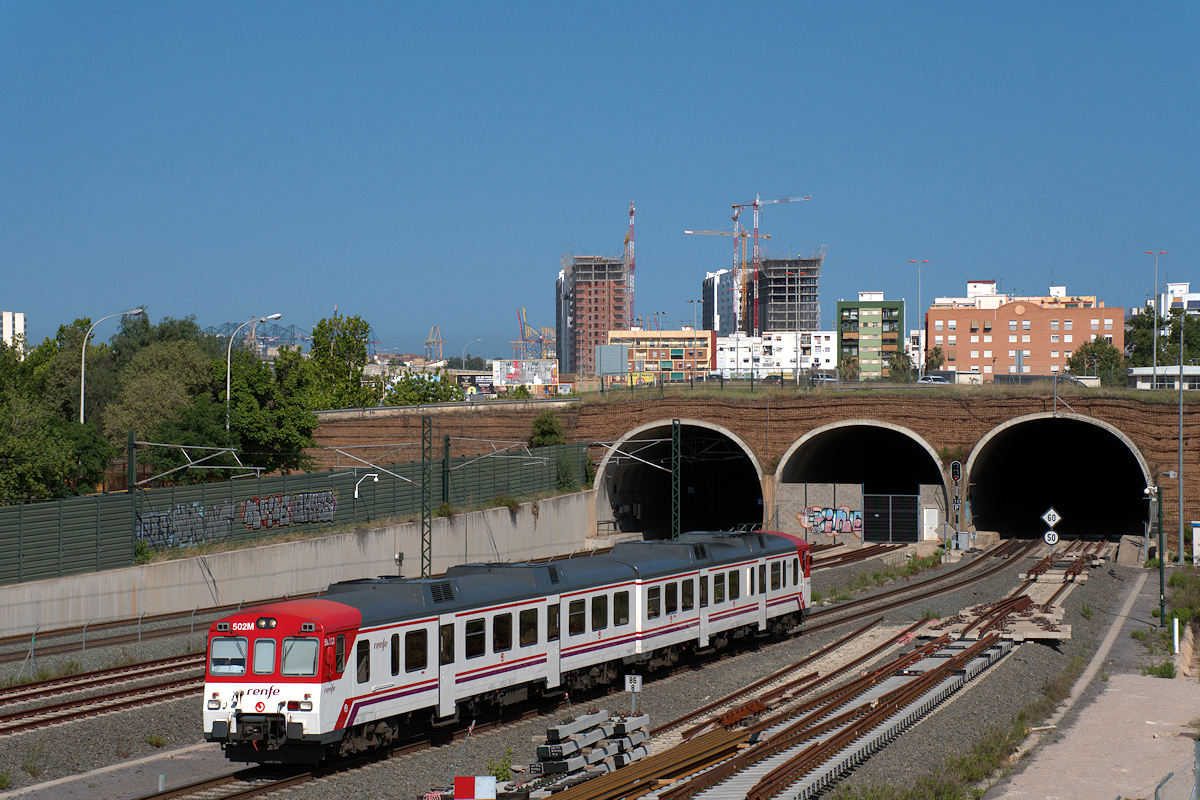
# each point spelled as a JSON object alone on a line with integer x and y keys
{"x": 467, "y": 586}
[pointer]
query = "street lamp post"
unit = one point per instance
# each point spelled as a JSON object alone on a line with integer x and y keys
{"x": 229, "y": 357}
{"x": 465, "y": 346}
{"x": 83, "y": 355}
{"x": 1179, "y": 485}
{"x": 921, "y": 316}
{"x": 695, "y": 339}
{"x": 1154, "y": 311}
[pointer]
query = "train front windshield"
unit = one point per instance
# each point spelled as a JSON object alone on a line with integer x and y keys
{"x": 227, "y": 655}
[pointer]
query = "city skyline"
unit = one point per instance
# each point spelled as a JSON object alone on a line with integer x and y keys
{"x": 417, "y": 168}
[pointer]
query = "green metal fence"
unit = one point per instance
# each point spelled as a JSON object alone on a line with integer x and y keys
{"x": 86, "y": 534}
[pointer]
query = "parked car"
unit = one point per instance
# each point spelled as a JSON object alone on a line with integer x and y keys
{"x": 932, "y": 379}
{"x": 820, "y": 379}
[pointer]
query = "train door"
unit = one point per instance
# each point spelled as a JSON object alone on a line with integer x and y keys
{"x": 449, "y": 650}
{"x": 414, "y": 663}
{"x": 550, "y": 634}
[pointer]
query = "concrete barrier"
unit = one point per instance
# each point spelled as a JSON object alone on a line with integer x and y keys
{"x": 550, "y": 527}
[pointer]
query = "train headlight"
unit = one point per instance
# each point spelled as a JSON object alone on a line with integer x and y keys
{"x": 214, "y": 705}
{"x": 306, "y": 705}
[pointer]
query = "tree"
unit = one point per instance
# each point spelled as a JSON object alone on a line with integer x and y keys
{"x": 934, "y": 359}
{"x": 271, "y": 427}
{"x": 547, "y": 430}
{"x": 418, "y": 388}
{"x": 338, "y": 355}
{"x": 901, "y": 367}
{"x": 1098, "y": 357}
{"x": 848, "y": 368}
{"x": 1139, "y": 339}
{"x": 159, "y": 381}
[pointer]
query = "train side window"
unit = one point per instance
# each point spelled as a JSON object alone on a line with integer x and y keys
{"x": 300, "y": 656}
{"x": 621, "y": 608}
{"x": 416, "y": 650}
{"x": 735, "y": 584}
{"x": 653, "y": 602}
{"x": 502, "y": 633}
{"x": 395, "y": 654}
{"x": 446, "y": 650}
{"x": 264, "y": 656}
{"x": 672, "y": 598}
{"x": 762, "y": 578}
{"x": 576, "y": 613}
{"x": 795, "y": 572}
{"x": 476, "y": 638}
{"x": 776, "y": 575}
{"x": 719, "y": 587}
{"x": 227, "y": 656}
{"x": 364, "y": 661}
{"x": 750, "y": 581}
{"x": 340, "y": 664}
{"x": 703, "y": 591}
{"x": 552, "y": 623}
{"x": 687, "y": 596}
{"x": 528, "y": 625}
{"x": 599, "y": 612}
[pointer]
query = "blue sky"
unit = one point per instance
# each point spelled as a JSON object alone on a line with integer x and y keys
{"x": 429, "y": 164}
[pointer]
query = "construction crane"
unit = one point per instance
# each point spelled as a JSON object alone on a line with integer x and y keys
{"x": 532, "y": 342}
{"x": 629, "y": 258}
{"x": 739, "y": 235}
{"x": 757, "y": 205}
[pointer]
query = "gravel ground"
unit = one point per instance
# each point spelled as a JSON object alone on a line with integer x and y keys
{"x": 992, "y": 700}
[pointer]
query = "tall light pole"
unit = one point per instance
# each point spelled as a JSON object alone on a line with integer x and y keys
{"x": 921, "y": 316}
{"x": 1154, "y": 303}
{"x": 695, "y": 339}
{"x": 1179, "y": 485}
{"x": 465, "y": 346}
{"x": 229, "y": 357}
{"x": 83, "y": 355}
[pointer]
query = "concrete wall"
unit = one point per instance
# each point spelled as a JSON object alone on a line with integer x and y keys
{"x": 792, "y": 500}
{"x": 560, "y": 525}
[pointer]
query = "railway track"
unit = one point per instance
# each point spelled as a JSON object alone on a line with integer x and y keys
{"x": 73, "y": 710}
{"x": 84, "y": 681}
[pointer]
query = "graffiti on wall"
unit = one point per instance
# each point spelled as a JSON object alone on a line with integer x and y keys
{"x": 193, "y": 523}
{"x": 831, "y": 521}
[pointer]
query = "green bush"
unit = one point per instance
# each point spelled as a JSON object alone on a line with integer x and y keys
{"x": 565, "y": 479}
{"x": 511, "y": 503}
{"x": 142, "y": 552}
{"x": 501, "y": 768}
{"x": 547, "y": 430}
{"x": 1163, "y": 670}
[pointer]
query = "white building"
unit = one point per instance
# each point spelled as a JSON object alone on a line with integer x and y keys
{"x": 775, "y": 353}
{"x": 1179, "y": 295}
{"x": 12, "y": 326}
{"x": 720, "y": 298}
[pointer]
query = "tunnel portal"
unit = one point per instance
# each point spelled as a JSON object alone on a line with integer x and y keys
{"x": 719, "y": 487}
{"x": 1087, "y": 473}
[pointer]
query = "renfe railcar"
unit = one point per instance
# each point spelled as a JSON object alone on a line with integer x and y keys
{"x": 376, "y": 659}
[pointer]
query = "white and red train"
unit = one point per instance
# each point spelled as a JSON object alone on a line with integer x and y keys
{"x": 374, "y": 659}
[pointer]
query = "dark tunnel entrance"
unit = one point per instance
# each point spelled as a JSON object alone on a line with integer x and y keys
{"x": 719, "y": 485}
{"x": 872, "y": 481}
{"x": 883, "y": 460}
{"x": 1086, "y": 473}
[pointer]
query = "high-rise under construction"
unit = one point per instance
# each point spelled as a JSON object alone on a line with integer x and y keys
{"x": 592, "y": 297}
{"x": 788, "y": 294}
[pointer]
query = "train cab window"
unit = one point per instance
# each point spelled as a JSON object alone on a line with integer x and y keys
{"x": 735, "y": 584}
{"x": 576, "y": 613}
{"x": 395, "y": 653}
{"x": 671, "y": 599}
{"x": 621, "y": 608}
{"x": 264, "y": 656}
{"x": 340, "y": 652}
{"x": 476, "y": 638}
{"x": 446, "y": 645}
{"x": 364, "y": 660}
{"x": 719, "y": 587}
{"x": 776, "y": 575}
{"x": 227, "y": 656}
{"x": 653, "y": 602}
{"x": 416, "y": 651}
{"x": 552, "y": 623}
{"x": 300, "y": 656}
{"x": 502, "y": 633}
{"x": 527, "y": 623}
{"x": 599, "y": 612}
{"x": 762, "y": 578}
{"x": 703, "y": 591}
{"x": 795, "y": 572}
{"x": 687, "y": 597}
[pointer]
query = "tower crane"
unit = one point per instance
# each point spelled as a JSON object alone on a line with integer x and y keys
{"x": 757, "y": 205}
{"x": 629, "y": 259}
{"x": 739, "y": 235}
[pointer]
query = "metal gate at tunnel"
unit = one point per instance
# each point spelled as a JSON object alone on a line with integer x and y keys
{"x": 890, "y": 518}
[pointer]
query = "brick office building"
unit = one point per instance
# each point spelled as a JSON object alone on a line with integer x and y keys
{"x": 994, "y": 334}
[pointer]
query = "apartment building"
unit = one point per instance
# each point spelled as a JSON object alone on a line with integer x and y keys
{"x": 870, "y": 330}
